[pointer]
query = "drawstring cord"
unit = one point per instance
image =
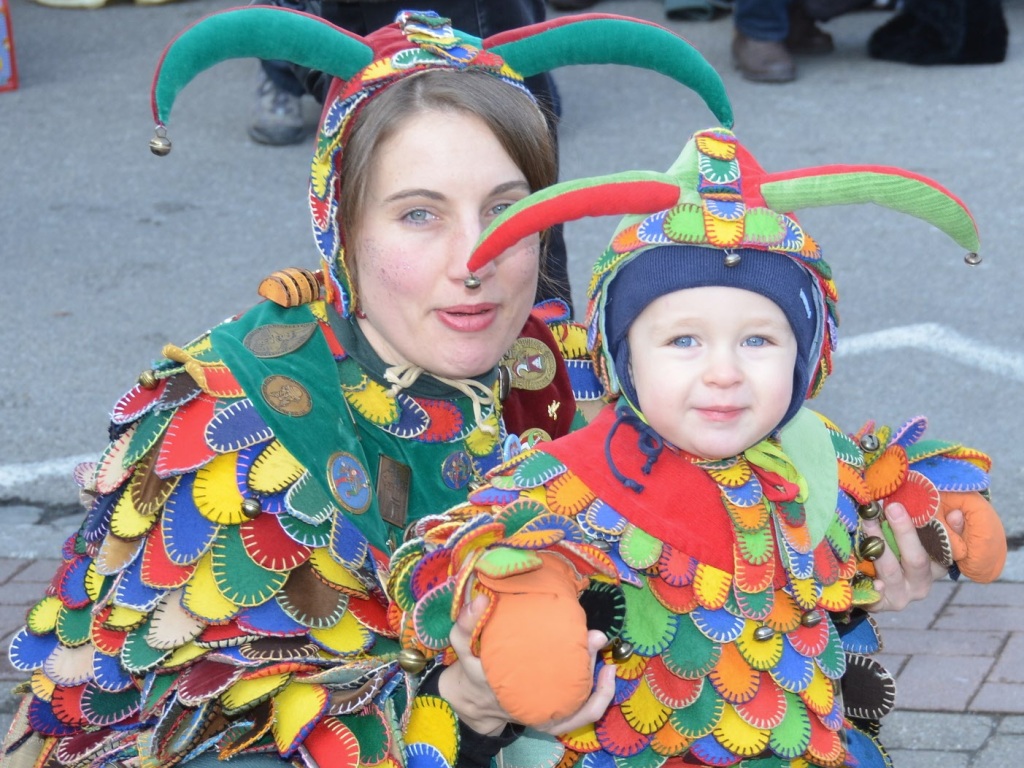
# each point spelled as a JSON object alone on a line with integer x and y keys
{"x": 404, "y": 376}
{"x": 649, "y": 442}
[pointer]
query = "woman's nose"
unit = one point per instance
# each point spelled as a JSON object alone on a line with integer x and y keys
{"x": 461, "y": 246}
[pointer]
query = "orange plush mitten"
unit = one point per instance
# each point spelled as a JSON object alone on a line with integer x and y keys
{"x": 533, "y": 644}
{"x": 980, "y": 551}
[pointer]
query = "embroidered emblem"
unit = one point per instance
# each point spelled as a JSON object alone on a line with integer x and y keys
{"x": 553, "y": 409}
{"x": 531, "y": 364}
{"x": 285, "y": 395}
{"x": 278, "y": 339}
{"x": 349, "y": 482}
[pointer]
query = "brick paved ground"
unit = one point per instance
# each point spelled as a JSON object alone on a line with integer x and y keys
{"x": 958, "y": 657}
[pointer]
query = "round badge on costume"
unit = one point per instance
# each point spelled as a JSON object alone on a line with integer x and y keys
{"x": 285, "y": 395}
{"x": 531, "y": 364}
{"x": 349, "y": 482}
{"x": 457, "y": 470}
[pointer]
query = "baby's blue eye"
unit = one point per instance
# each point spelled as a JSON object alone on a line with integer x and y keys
{"x": 683, "y": 341}
{"x": 755, "y": 341}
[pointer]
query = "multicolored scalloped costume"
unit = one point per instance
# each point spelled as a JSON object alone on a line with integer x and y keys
{"x": 741, "y": 640}
{"x": 225, "y": 586}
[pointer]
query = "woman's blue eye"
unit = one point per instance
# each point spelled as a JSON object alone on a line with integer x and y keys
{"x": 418, "y": 215}
{"x": 500, "y": 208}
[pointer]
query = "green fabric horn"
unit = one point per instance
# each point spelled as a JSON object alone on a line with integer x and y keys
{"x": 253, "y": 32}
{"x": 597, "y": 39}
{"x": 890, "y": 187}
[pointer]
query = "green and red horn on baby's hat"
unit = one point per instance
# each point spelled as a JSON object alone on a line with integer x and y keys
{"x": 643, "y": 193}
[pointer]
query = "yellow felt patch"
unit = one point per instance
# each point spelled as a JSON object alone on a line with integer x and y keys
{"x": 127, "y": 522}
{"x": 183, "y": 655}
{"x": 215, "y": 491}
{"x": 723, "y": 233}
{"x": 43, "y": 616}
{"x": 42, "y": 686}
{"x": 762, "y": 655}
{"x": 715, "y": 147}
{"x": 644, "y": 713}
{"x": 711, "y": 586}
{"x": 837, "y": 596}
{"x": 296, "y": 707}
{"x": 820, "y": 693}
{"x": 372, "y": 401}
{"x": 334, "y": 574}
{"x": 203, "y": 598}
{"x": 274, "y": 470}
{"x": 246, "y": 693}
{"x": 481, "y": 443}
{"x": 740, "y": 737}
{"x": 346, "y": 637}
{"x": 124, "y": 618}
{"x": 432, "y": 721}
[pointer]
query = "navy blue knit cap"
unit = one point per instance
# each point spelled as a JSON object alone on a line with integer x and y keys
{"x": 664, "y": 269}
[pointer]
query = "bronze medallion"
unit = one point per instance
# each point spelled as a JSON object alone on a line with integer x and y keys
{"x": 277, "y": 340}
{"x": 285, "y": 395}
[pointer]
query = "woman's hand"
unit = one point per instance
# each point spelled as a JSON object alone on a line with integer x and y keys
{"x": 464, "y": 684}
{"x": 909, "y": 577}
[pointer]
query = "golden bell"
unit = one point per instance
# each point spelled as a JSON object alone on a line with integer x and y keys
{"x": 621, "y": 650}
{"x": 871, "y": 548}
{"x": 869, "y": 443}
{"x": 811, "y": 619}
{"x": 411, "y": 660}
{"x": 148, "y": 379}
{"x": 764, "y": 633}
{"x": 870, "y": 511}
{"x": 251, "y": 508}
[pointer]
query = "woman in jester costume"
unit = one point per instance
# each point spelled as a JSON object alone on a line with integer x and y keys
{"x": 224, "y": 596}
{"x": 735, "y": 561}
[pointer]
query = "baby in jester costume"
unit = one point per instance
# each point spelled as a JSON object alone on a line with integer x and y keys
{"x": 734, "y": 566}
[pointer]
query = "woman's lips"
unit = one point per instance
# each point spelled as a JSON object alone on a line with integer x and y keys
{"x": 468, "y": 318}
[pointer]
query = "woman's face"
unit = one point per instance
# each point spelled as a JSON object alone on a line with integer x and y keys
{"x": 433, "y": 187}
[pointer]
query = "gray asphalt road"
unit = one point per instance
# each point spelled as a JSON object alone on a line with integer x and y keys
{"x": 109, "y": 252}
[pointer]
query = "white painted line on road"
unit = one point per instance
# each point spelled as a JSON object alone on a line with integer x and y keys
{"x": 19, "y": 474}
{"x": 930, "y": 337}
{"x": 939, "y": 340}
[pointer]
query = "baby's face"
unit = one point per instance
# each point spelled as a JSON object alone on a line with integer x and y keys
{"x": 713, "y": 368}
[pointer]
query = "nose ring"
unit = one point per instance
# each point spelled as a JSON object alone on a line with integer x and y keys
{"x": 472, "y": 282}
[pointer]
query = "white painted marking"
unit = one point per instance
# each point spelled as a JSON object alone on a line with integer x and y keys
{"x": 939, "y": 340}
{"x": 18, "y": 474}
